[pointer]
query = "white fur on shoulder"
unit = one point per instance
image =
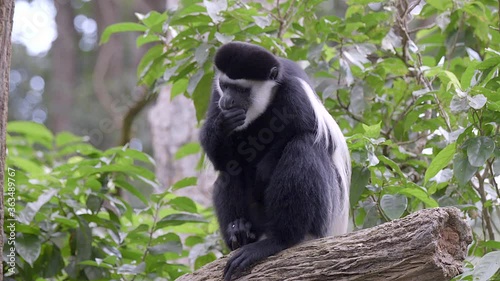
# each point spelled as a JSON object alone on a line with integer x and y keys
{"x": 328, "y": 130}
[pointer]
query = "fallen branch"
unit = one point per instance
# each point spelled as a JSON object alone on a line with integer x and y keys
{"x": 427, "y": 245}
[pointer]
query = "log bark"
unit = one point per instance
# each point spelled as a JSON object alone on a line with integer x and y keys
{"x": 430, "y": 244}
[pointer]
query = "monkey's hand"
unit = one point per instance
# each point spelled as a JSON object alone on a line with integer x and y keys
{"x": 240, "y": 234}
{"x": 231, "y": 119}
{"x": 250, "y": 254}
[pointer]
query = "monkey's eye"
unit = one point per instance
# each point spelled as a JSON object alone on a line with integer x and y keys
{"x": 223, "y": 86}
{"x": 242, "y": 89}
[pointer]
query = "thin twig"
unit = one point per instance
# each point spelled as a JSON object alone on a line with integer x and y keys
{"x": 485, "y": 211}
{"x": 417, "y": 29}
{"x": 492, "y": 177}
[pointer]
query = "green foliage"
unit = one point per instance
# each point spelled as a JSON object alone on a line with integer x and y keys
{"x": 416, "y": 89}
{"x": 71, "y": 225}
{"x": 420, "y": 107}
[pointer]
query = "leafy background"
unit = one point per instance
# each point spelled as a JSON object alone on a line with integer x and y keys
{"x": 414, "y": 86}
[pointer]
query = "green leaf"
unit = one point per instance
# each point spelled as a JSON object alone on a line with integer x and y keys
{"x": 372, "y": 131}
{"x": 441, "y": 5}
{"x": 32, "y": 208}
{"x": 419, "y": 193}
{"x": 193, "y": 240}
{"x": 490, "y": 244}
{"x": 201, "y": 95}
{"x": 195, "y": 79}
{"x": 146, "y": 61}
{"x": 33, "y": 131}
{"x": 132, "y": 189}
{"x": 53, "y": 260}
{"x": 487, "y": 266}
{"x": 462, "y": 169}
{"x": 224, "y": 38}
{"x": 65, "y": 221}
{"x": 28, "y": 229}
{"x": 394, "y": 66}
{"x": 183, "y": 204}
{"x": 157, "y": 197}
{"x": 453, "y": 79}
{"x": 26, "y": 165}
{"x": 479, "y": 150}
{"x": 188, "y": 149}
{"x": 494, "y": 106}
{"x": 120, "y": 27}
{"x": 201, "y": 54}
{"x": 466, "y": 78}
{"x": 477, "y": 101}
{"x": 458, "y": 104}
{"x": 83, "y": 240}
{"x": 192, "y": 8}
{"x": 130, "y": 153}
{"x": 190, "y": 181}
{"x": 214, "y": 8}
{"x": 78, "y": 148}
{"x": 359, "y": 180}
{"x": 65, "y": 138}
{"x": 262, "y": 22}
{"x": 132, "y": 269}
{"x": 152, "y": 71}
{"x": 445, "y": 76}
{"x": 179, "y": 87}
{"x": 372, "y": 216}
{"x": 96, "y": 264}
{"x": 439, "y": 162}
{"x": 178, "y": 219}
{"x": 153, "y": 18}
{"x": 491, "y": 62}
{"x": 28, "y": 247}
{"x": 394, "y": 167}
{"x": 393, "y": 206}
{"x": 145, "y": 39}
{"x": 203, "y": 260}
{"x": 171, "y": 246}
{"x": 362, "y": 2}
{"x": 93, "y": 203}
{"x": 134, "y": 171}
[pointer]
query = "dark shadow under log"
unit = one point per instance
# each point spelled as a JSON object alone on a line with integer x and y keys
{"x": 430, "y": 244}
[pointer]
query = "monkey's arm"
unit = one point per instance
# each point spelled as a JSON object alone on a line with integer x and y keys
{"x": 231, "y": 207}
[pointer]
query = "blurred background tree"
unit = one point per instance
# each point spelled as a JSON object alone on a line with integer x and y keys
{"x": 413, "y": 84}
{"x": 71, "y": 83}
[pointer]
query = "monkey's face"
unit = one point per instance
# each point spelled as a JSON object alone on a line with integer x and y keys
{"x": 252, "y": 96}
{"x": 234, "y": 96}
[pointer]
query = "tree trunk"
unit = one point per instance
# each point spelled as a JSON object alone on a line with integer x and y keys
{"x": 6, "y": 15}
{"x": 427, "y": 245}
{"x": 64, "y": 73}
{"x": 109, "y": 65}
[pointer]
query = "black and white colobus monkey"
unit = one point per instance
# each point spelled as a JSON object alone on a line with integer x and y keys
{"x": 283, "y": 161}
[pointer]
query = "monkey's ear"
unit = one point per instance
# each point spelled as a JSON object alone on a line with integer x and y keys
{"x": 273, "y": 74}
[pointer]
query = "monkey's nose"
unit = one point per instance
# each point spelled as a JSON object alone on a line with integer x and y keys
{"x": 228, "y": 103}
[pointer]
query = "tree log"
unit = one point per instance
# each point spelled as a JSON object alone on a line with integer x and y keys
{"x": 430, "y": 244}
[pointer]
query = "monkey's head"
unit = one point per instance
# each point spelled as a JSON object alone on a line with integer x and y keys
{"x": 239, "y": 60}
{"x": 246, "y": 78}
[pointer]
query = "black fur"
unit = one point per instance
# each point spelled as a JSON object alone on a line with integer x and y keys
{"x": 242, "y": 60}
{"x": 279, "y": 185}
